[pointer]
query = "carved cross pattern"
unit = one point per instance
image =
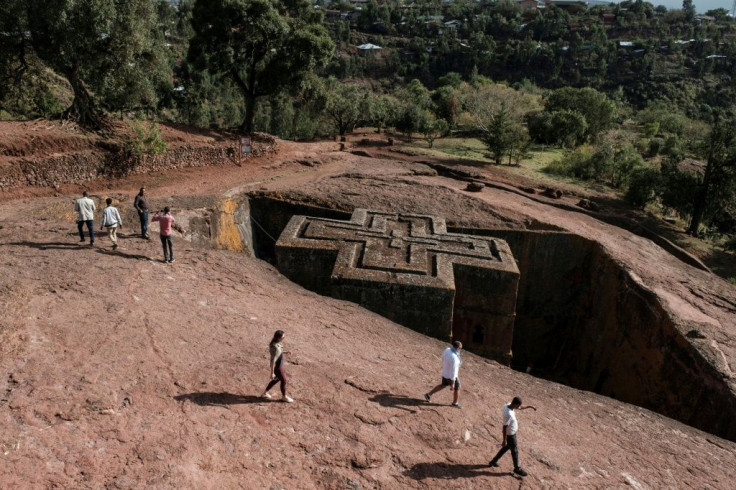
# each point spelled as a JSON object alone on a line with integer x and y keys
{"x": 397, "y": 248}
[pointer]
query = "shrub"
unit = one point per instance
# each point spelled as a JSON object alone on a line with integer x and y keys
{"x": 655, "y": 146}
{"x": 145, "y": 140}
{"x": 644, "y": 184}
{"x": 576, "y": 164}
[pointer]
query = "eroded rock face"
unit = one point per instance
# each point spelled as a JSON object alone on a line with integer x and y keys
{"x": 411, "y": 270}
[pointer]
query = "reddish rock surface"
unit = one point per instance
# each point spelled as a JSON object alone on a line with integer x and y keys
{"x": 120, "y": 371}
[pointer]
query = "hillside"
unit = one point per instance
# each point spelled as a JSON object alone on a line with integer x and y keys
{"x": 124, "y": 372}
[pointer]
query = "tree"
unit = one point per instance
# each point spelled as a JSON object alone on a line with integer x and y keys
{"x": 644, "y": 185}
{"x": 597, "y": 109}
{"x": 383, "y": 110}
{"x": 565, "y": 128}
{"x": 409, "y": 119}
{"x": 259, "y": 44}
{"x": 497, "y": 112}
{"x": 343, "y": 105}
{"x": 719, "y": 150}
{"x": 688, "y": 7}
{"x": 431, "y": 127}
{"x": 92, "y": 43}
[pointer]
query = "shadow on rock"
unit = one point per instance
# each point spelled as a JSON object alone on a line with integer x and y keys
{"x": 50, "y": 245}
{"x": 401, "y": 401}
{"x": 449, "y": 471}
{"x": 215, "y": 399}
{"x": 123, "y": 255}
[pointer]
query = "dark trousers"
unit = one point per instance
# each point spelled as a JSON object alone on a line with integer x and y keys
{"x": 280, "y": 378}
{"x": 90, "y": 227}
{"x": 144, "y": 222}
{"x": 510, "y": 445}
{"x": 168, "y": 247}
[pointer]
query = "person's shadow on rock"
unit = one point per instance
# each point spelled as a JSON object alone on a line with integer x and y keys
{"x": 122, "y": 254}
{"x": 400, "y": 401}
{"x": 50, "y": 245}
{"x": 219, "y": 399}
{"x": 450, "y": 471}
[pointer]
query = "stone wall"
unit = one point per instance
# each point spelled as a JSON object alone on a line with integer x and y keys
{"x": 82, "y": 166}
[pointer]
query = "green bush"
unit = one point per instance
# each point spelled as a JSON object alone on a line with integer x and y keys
{"x": 730, "y": 245}
{"x": 655, "y": 146}
{"x": 576, "y": 164}
{"x": 644, "y": 184}
{"x": 145, "y": 140}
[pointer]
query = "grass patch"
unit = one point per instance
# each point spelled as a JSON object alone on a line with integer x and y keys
{"x": 532, "y": 167}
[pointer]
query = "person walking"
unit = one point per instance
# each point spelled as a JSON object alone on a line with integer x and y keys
{"x": 450, "y": 367}
{"x": 510, "y": 426}
{"x": 141, "y": 205}
{"x": 278, "y": 375}
{"x": 111, "y": 220}
{"x": 165, "y": 221}
{"x": 85, "y": 209}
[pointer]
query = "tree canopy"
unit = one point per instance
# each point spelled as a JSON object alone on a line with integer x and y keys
{"x": 260, "y": 45}
{"x": 99, "y": 46}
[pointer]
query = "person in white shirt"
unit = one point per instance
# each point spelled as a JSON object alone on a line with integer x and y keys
{"x": 510, "y": 426}
{"x": 85, "y": 209}
{"x": 450, "y": 367}
{"x": 111, "y": 220}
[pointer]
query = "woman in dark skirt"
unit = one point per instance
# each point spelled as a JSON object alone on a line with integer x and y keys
{"x": 276, "y": 348}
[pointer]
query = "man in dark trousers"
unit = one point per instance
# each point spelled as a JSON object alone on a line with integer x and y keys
{"x": 451, "y": 362}
{"x": 85, "y": 208}
{"x": 141, "y": 205}
{"x": 510, "y": 425}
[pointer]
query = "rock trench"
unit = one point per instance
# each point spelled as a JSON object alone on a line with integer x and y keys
{"x": 582, "y": 319}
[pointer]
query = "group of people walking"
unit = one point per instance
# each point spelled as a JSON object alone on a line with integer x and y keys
{"x": 111, "y": 220}
{"x": 451, "y": 362}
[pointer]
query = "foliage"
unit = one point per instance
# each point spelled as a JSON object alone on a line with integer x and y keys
{"x": 564, "y": 128}
{"x": 103, "y": 47}
{"x": 716, "y": 189}
{"x": 497, "y": 112}
{"x": 145, "y": 140}
{"x": 596, "y": 108}
{"x": 644, "y": 186}
{"x": 431, "y": 127}
{"x": 343, "y": 105}
{"x": 260, "y": 45}
{"x": 576, "y": 163}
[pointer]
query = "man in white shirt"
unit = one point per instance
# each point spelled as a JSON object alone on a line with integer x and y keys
{"x": 111, "y": 220}
{"x": 450, "y": 367}
{"x": 85, "y": 208}
{"x": 510, "y": 426}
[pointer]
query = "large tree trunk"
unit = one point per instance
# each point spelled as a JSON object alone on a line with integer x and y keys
{"x": 250, "y": 112}
{"x": 83, "y": 109}
{"x": 700, "y": 202}
{"x": 249, "y": 94}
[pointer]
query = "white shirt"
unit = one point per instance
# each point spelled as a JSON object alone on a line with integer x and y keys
{"x": 85, "y": 208}
{"x": 111, "y": 217}
{"x": 450, "y": 363}
{"x": 509, "y": 418}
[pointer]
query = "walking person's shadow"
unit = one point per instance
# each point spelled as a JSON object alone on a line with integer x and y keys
{"x": 450, "y": 471}
{"x": 50, "y": 245}
{"x": 123, "y": 255}
{"x": 401, "y": 402}
{"x": 219, "y": 399}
